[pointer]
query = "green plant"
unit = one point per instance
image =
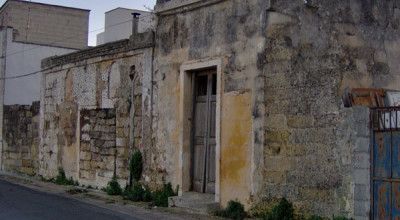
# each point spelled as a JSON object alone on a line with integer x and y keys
{"x": 147, "y": 194}
{"x": 234, "y": 210}
{"x": 340, "y": 218}
{"x": 61, "y": 179}
{"x": 138, "y": 193}
{"x": 283, "y": 211}
{"x": 160, "y": 197}
{"x": 315, "y": 217}
{"x": 136, "y": 166}
{"x": 113, "y": 187}
{"x": 134, "y": 193}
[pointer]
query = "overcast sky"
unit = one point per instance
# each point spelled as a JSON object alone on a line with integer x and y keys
{"x": 98, "y": 7}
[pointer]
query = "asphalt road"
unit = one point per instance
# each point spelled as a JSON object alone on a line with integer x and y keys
{"x": 20, "y": 203}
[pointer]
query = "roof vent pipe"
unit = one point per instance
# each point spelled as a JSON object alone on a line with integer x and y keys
{"x": 135, "y": 23}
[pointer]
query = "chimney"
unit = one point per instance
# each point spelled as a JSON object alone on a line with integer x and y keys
{"x": 135, "y": 23}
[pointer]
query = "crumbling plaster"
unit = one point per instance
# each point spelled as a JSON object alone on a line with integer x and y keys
{"x": 92, "y": 80}
{"x": 195, "y": 36}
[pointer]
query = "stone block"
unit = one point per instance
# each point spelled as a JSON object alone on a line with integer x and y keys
{"x": 315, "y": 194}
{"x": 296, "y": 150}
{"x": 361, "y": 176}
{"x": 27, "y": 163}
{"x": 121, "y": 142}
{"x": 276, "y": 18}
{"x": 278, "y": 163}
{"x": 106, "y": 174}
{"x": 275, "y": 177}
{"x": 276, "y": 122}
{"x": 297, "y": 121}
{"x": 85, "y": 137}
{"x": 362, "y": 144}
{"x": 274, "y": 149}
{"x": 85, "y": 165}
{"x": 85, "y": 174}
{"x": 108, "y": 136}
{"x": 361, "y": 160}
{"x": 361, "y": 208}
{"x": 361, "y": 192}
{"x": 278, "y": 136}
{"x": 108, "y": 144}
{"x": 85, "y": 155}
{"x": 85, "y": 146}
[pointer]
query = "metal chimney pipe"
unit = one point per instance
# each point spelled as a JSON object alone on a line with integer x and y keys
{"x": 135, "y": 23}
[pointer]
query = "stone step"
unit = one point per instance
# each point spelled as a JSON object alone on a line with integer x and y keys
{"x": 194, "y": 202}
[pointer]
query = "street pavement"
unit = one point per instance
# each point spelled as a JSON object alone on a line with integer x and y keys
{"x": 20, "y": 203}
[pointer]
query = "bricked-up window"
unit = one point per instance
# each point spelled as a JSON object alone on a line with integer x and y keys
{"x": 98, "y": 144}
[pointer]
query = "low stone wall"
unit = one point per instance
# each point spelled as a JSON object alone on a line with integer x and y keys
{"x": 21, "y": 139}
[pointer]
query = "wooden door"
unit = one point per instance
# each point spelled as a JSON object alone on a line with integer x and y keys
{"x": 204, "y": 143}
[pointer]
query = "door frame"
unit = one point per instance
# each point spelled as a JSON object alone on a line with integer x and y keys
{"x": 185, "y": 122}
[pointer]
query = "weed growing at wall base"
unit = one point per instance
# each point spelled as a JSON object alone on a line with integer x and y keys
{"x": 234, "y": 210}
{"x": 160, "y": 197}
{"x": 61, "y": 179}
{"x": 113, "y": 188}
{"x": 282, "y": 209}
{"x": 138, "y": 193}
{"x": 136, "y": 166}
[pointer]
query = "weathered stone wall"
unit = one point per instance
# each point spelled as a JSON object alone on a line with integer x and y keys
{"x": 232, "y": 32}
{"x": 314, "y": 50}
{"x": 77, "y": 88}
{"x": 285, "y": 66}
{"x": 21, "y": 138}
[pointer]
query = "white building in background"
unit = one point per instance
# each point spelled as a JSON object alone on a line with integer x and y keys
{"x": 30, "y": 32}
{"x": 118, "y": 24}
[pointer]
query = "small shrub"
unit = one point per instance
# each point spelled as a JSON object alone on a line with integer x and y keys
{"x": 147, "y": 194}
{"x": 234, "y": 210}
{"x": 136, "y": 166}
{"x": 283, "y": 211}
{"x": 113, "y": 187}
{"x": 61, "y": 179}
{"x": 138, "y": 193}
{"x": 160, "y": 197}
{"x": 134, "y": 193}
{"x": 315, "y": 217}
{"x": 341, "y": 218}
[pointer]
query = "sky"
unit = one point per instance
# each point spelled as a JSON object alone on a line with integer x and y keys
{"x": 98, "y": 8}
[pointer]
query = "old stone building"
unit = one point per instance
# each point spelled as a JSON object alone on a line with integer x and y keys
{"x": 90, "y": 115}
{"x": 234, "y": 100}
{"x": 280, "y": 69}
{"x": 30, "y": 32}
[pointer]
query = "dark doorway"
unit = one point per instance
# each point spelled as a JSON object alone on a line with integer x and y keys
{"x": 204, "y": 126}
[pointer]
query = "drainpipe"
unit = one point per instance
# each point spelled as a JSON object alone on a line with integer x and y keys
{"x": 135, "y": 23}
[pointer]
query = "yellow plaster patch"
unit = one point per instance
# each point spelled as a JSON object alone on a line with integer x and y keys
{"x": 236, "y": 127}
{"x": 69, "y": 160}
